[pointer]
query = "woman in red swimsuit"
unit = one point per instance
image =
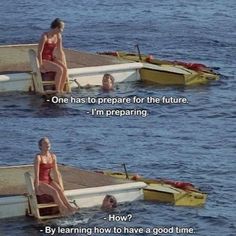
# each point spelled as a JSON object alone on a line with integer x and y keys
{"x": 46, "y": 163}
{"x": 50, "y": 41}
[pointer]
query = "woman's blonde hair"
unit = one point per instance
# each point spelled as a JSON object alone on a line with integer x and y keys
{"x": 41, "y": 141}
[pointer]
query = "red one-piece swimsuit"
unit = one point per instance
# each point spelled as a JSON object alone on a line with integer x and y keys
{"x": 44, "y": 172}
{"x": 47, "y": 53}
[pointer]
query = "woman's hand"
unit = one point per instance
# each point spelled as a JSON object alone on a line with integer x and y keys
{"x": 36, "y": 187}
{"x": 42, "y": 69}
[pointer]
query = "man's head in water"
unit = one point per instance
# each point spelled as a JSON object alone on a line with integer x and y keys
{"x": 108, "y": 82}
{"x": 109, "y": 202}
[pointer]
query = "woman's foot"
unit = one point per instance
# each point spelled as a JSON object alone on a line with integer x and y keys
{"x": 66, "y": 212}
{"x": 62, "y": 92}
{"x": 74, "y": 209}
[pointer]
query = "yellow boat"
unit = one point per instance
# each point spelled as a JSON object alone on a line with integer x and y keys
{"x": 166, "y": 191}
{"x": 169, "y": 72}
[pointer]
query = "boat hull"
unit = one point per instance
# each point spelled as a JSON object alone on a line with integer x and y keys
{"x": 78, "y": 77}
{"x": 13, "y": 206}
{"x": 168, "y": 194}
{"x": 86, "y": 188}
{"x": 159, "y": 191}
{"x": 168, "y": 73}
{"x": 161, "y": 77}
{"x": 84, "y": 68}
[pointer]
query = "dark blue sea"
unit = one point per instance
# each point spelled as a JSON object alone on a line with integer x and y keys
{"x": 192, "y": 142}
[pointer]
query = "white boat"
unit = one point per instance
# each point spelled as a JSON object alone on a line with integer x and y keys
{"x": 83, "y": 68}
{"x": 86, "y": 188}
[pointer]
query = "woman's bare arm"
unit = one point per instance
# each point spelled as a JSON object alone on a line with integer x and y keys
{"x": 61, "y": 54}
{"x": 56, "y": 172}
{"x": 36, "y": 171}
{"x": 40, "y": 49}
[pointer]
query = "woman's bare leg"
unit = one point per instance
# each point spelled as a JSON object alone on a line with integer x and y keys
{"x": 64, "y": 78}
{"x": 59, "y": 181}
{"x": 54, "y": 67}
{"x": 62, "y": 196}
{"x": 50, "y": 190}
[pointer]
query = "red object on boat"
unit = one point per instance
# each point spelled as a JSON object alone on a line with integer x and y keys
{"x": 149, "y": 58}
{"x": 191, "y": 66}
{"x": 135, "y": 177}
{"x": 179, "y": 184}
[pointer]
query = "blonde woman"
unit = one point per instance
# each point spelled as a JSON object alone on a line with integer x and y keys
{"x": 45, "y": 165}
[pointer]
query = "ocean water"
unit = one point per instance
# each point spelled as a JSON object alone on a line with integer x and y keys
{"x": 192, "y": 142}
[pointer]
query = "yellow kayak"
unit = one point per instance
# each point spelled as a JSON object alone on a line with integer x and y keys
{"x": 166, "y": 191}
{"x": 168, "y": 72}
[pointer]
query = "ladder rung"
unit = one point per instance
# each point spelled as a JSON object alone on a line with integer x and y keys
{"x": 48, "y": 92}
{"x": 49, "y": 217}
{"x": 46, "y": 205}
{"x": 48, "y": 82}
